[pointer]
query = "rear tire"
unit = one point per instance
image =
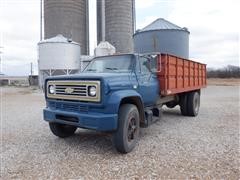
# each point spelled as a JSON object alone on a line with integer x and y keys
{"x": 193, "y": 103}
{"x": 127, "y": 134}
{"x": 62, "y": 130}
{"x": 184, "y": 104}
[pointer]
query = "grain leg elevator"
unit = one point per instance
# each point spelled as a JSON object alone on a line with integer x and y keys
{"x": 69, "y": 18}
{"x": 119, "y": 23}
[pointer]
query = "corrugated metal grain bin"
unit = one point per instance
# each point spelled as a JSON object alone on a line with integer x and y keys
{"x": 162, "y": 36}
{"x": 58, "y": 56}
{"x": 177, "y": 75}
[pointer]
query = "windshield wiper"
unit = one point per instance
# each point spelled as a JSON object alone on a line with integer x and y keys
{"x": 113, "y": 69}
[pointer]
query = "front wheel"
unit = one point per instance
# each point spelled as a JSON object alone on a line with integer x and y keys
{"x": 62, "y": 130}
{"x": 126, "y": 136}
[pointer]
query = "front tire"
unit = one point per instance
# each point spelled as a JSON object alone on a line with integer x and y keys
{"x": 62, "y": 130}
{"x": 127, "y": 134}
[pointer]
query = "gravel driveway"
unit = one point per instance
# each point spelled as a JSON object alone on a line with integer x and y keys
{"x": 175, "y": 147}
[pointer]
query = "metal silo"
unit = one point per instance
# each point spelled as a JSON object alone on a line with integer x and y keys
{"x": 58, "y": 56}
{"x": 69, "y": 18}
{"x": 162, "y": 36}
{"x": 119, "y": 23}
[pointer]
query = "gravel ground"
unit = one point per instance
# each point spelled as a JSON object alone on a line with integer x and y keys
{"x": 175, "y": 147}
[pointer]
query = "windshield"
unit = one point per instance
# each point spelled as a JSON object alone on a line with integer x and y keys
{"x": 112, "y": 64}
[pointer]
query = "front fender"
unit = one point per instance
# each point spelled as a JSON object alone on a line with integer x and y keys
{"x": 115, "y": 98}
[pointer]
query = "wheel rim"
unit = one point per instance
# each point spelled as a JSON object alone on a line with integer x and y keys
{"x": 132, "y": 129}
{"x": 196, "y": 103}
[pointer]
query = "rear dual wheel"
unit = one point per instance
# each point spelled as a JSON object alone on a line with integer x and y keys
{"x": 193, "y": 103}
{"x": 190, "y": 103}
{"x": 184, "y": 104}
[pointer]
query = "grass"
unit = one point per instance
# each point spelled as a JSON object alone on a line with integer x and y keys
{"x": 223, "y": 81}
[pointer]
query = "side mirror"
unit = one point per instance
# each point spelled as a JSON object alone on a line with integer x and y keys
{"x": 153, "y": 56}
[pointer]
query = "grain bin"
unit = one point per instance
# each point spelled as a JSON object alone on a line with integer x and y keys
{"x": 58, "y": 56}
{"x": 162, "y": 36}
{"x": 104, "y": 48}
{"x": 67, "y": 17}
{"x": 119, "y": 24}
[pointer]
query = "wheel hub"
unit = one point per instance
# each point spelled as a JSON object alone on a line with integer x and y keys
{"x": 132, "y": 129}
{"x": 196, "y": 104}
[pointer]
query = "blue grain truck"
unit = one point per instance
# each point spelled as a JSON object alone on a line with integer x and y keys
{"x": 121, "y": 93}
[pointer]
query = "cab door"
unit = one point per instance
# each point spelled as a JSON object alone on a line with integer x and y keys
{"x": 148, "y": 85}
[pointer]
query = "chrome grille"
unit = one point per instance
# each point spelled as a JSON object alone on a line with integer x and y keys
{"x": 80, "y": 90}
{"x": 74, "y": 90}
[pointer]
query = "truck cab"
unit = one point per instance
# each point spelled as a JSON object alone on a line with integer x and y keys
{"x": 116, "y": 94}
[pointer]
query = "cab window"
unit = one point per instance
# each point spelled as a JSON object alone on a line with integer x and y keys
{"x": 144, "y": 65}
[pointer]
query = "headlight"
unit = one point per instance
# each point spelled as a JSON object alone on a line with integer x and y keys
{"x": 51, "y": 89}
{"x": 92, "y": 91}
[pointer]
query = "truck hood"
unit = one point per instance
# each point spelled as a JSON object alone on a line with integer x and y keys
{"x": 112, "y": 81}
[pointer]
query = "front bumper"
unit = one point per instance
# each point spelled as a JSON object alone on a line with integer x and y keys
{"x": 90, "y": 120}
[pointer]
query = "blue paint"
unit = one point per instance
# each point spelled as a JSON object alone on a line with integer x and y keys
{"x": 103, "y": 116}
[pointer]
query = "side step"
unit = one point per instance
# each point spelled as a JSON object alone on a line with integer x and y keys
{"x": 151, "y": 116}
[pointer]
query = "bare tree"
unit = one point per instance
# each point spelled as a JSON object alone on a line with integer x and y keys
{"x": 229, "y": 71}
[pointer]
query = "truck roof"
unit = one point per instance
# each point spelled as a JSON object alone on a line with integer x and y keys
{"x": 150, "y": 53}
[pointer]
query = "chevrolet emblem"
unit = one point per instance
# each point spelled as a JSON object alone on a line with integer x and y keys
{"x": 69, "y": 90}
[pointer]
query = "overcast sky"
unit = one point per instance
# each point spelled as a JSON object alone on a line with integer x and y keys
{"x": 213, "y": 24}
